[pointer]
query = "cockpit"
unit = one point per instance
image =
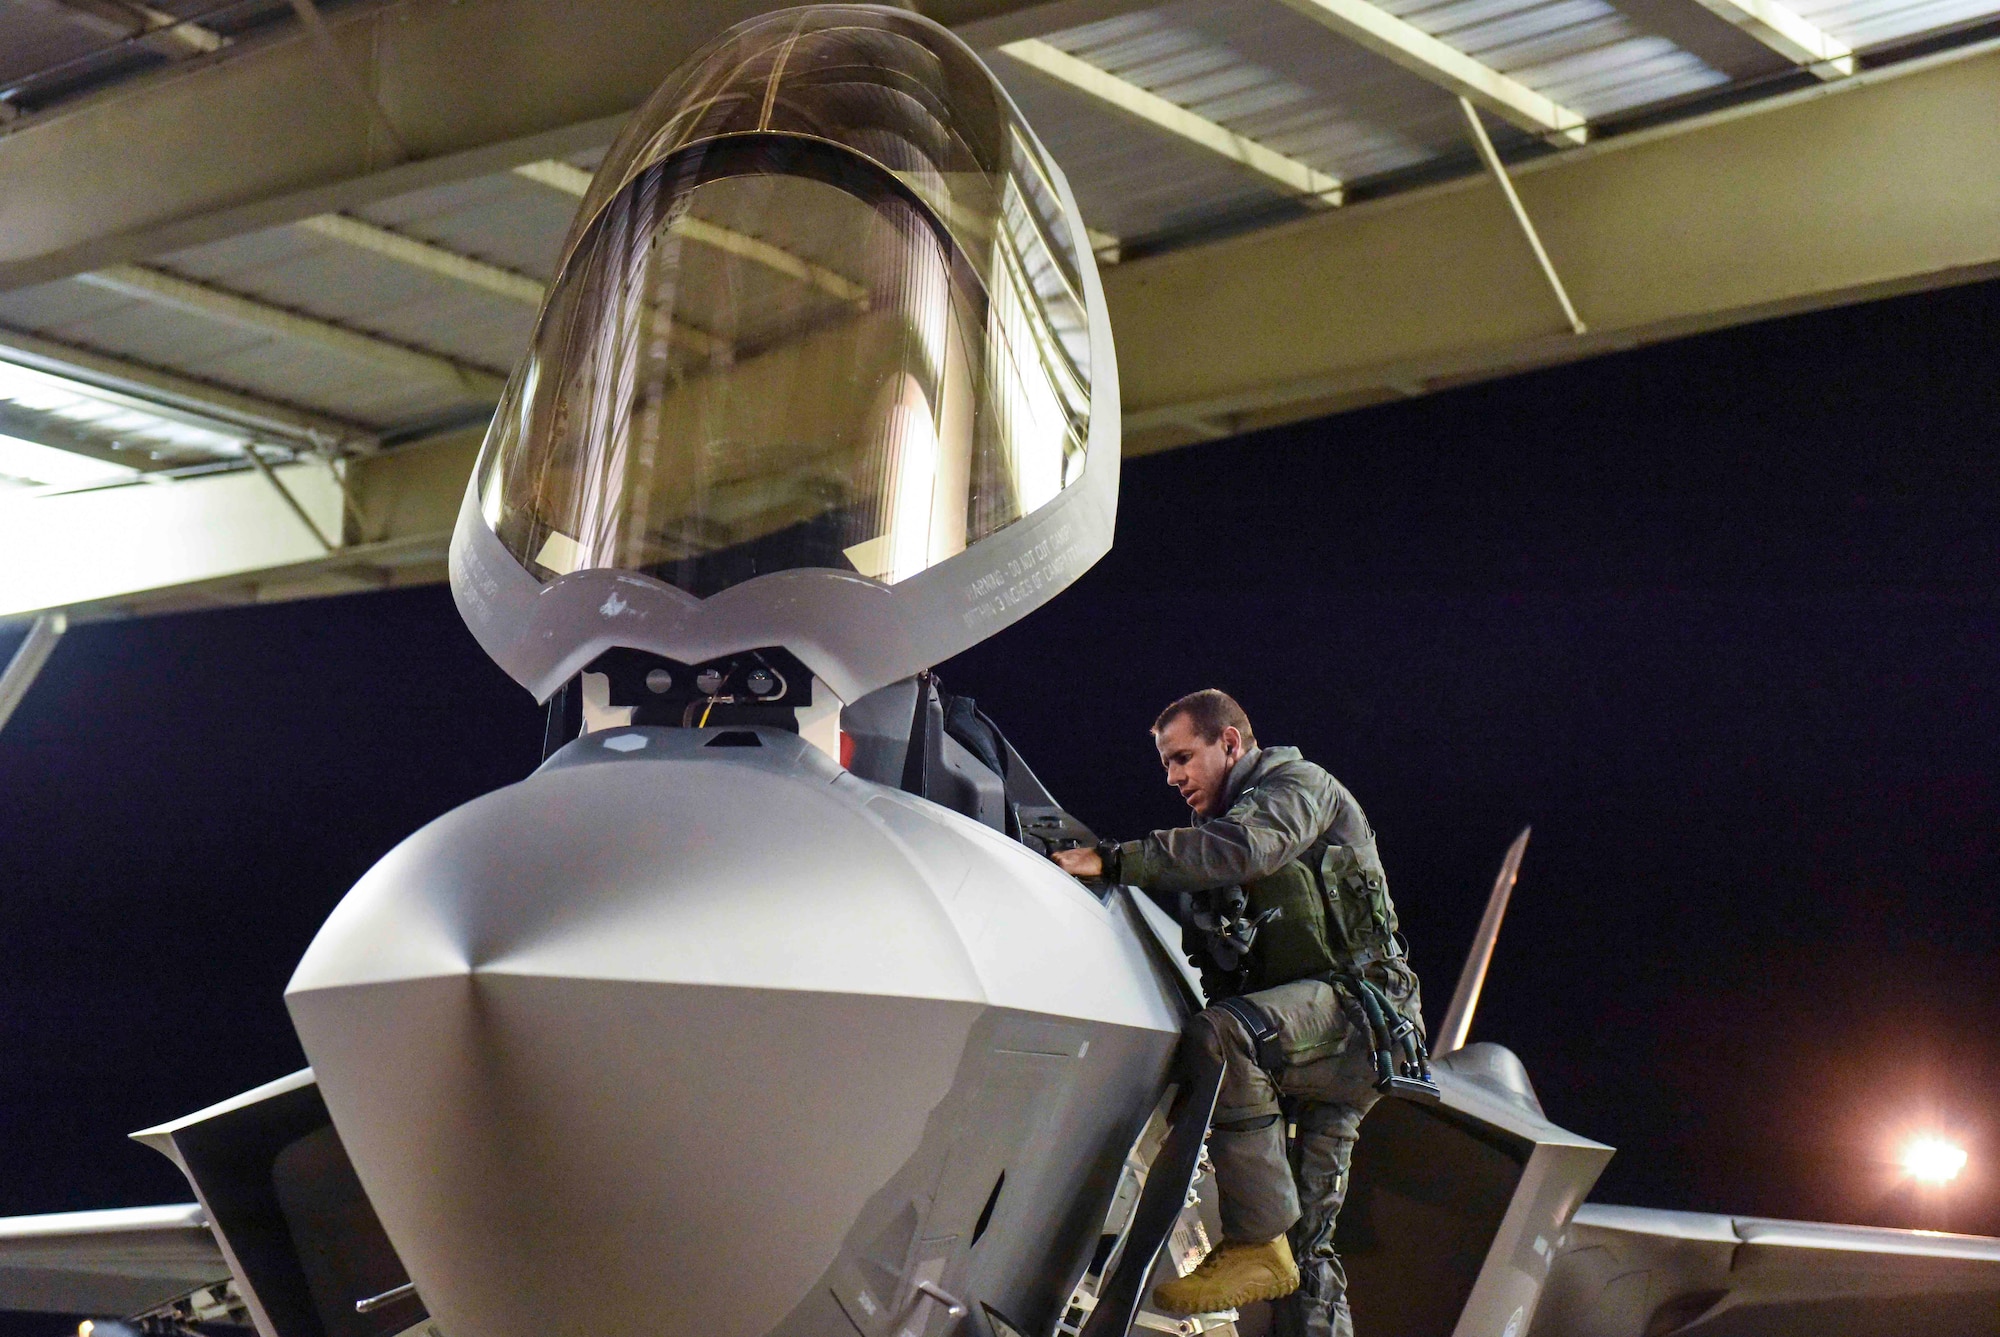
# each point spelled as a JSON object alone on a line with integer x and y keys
{"x": 822, "y": 393}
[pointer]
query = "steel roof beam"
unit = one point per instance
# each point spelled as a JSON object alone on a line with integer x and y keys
{"x": 1838, "y": 193}
{"x": 1785, "y": 32}
{"x": 1484, "y": 144}
{"x": 172, "y": 37}
{"x": 424, "y": 255}
{"x": 1294, "y": 176}
{"x": 217, "y": 148}
{"x": 344, "y": 74}
{"x": 1446, "y": 66}
{"x": 557, "y": 175}
{"x": 290, "y": 500}
{"x": 164, "y": 289}
{"x": 26, "y": 663}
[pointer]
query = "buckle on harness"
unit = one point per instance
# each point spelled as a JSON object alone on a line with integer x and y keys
{"x": 1227, "y": 928}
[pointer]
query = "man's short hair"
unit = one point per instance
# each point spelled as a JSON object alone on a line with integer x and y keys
{"x": 1210, "y": 712}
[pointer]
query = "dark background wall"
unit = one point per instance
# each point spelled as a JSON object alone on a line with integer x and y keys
{"x": 1721, "y": 619}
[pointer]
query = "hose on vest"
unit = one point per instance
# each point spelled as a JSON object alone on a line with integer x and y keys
{"x": 1402, "y": 1064}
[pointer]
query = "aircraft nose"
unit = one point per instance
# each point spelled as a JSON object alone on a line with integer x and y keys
{"x": 603, "y": 1052}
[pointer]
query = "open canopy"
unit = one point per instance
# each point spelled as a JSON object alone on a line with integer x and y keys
{"x": 822, "y": 309}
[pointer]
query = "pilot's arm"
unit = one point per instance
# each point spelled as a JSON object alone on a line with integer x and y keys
{"x": 1268, "y": 826}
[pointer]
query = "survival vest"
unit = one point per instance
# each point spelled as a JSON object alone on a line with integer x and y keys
{"x": 1334, "y": 917}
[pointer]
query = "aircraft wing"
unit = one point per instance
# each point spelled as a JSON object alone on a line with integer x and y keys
{"x": 118, "y": 1262}
{"x": 1637, "y": 1272}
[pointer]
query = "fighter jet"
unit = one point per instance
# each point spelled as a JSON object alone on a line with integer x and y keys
{"x": 757, "y": 1010}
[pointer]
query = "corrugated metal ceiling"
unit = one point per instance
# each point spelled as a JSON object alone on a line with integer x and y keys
{"x": 1257, "y": 68}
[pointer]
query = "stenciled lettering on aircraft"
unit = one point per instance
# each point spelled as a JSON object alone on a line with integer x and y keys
{"x": 1020, "y": 577}
{"x": 480, "y": 588}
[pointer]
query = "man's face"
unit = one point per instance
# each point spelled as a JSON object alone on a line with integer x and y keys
{"x": 1197, "y": 767}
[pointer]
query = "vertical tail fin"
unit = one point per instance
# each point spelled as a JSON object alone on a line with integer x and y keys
{"x": 1458, "y": 1017}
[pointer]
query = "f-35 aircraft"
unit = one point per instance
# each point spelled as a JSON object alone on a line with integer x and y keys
{"x": 757, "y": 1010}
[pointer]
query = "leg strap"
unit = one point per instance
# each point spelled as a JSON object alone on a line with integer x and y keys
{"x": 1264, "y": 1043}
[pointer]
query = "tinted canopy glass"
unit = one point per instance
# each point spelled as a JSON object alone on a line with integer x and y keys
{"x": 821, "y": 308}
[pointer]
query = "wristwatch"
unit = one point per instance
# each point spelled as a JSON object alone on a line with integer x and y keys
{"x": 1107, "y": 853}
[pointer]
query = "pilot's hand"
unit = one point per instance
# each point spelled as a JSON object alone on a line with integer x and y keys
{"x": 1080, "y": 862}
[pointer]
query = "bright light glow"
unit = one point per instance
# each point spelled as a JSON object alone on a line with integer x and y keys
{"x": 64, "y": 548}
{"x": 26, "y": 464}
{"x": 1933, "y": 1160}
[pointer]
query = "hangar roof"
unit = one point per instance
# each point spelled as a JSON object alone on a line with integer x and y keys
{"x": 165, "y": 318}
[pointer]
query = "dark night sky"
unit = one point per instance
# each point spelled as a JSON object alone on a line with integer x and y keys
{"x": 1721, "y": 619}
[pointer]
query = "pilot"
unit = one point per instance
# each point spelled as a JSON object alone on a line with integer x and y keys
{"x": 1278, "y": 878}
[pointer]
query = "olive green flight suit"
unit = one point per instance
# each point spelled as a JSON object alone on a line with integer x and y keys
{"x": 1294, "y": 840}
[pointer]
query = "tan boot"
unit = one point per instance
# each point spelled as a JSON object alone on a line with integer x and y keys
{"x": 1230, "y": 1277}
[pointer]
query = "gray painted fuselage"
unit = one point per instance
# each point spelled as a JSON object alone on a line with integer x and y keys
{"x": 726, "y": 1041}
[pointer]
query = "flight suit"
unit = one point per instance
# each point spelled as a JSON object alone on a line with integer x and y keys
{"x": 1295, "y": 841}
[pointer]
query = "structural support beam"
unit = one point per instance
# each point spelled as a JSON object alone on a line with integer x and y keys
{"x": 1840, "y": 193}
{"x": 193, "y": 154}
{"x": 28, "y": 659}
{"x": 1785, "y": 32}
{"x": 1295, "y": 177}
{"x": 172, "y": 37}
{"x": 1862, "y": 188}
{"x": 427, "y": 257}
{"x": 1446, "y": 66}
{"x": 153, "y": 285}
{"x": 1484, "y": 144}
{"x": 291, "y": 502}
{"x": 351, "y": 85}
{"x": 556, "y": 175}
